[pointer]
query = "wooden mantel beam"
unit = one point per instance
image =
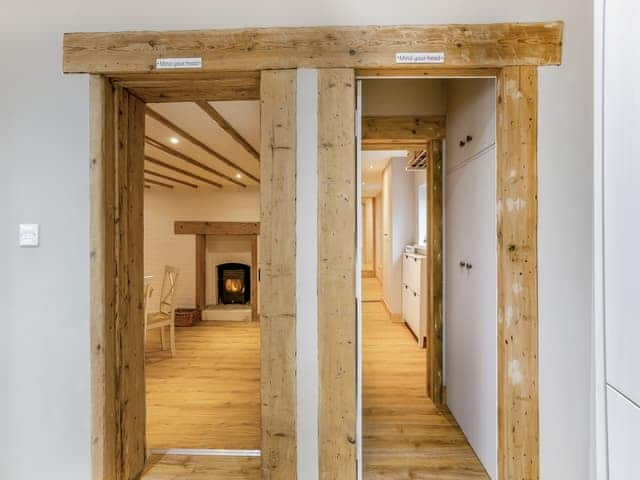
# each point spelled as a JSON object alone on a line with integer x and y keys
{"x": 401, "y": 132}
{"x": 216, "y": 228}
{"x": 251, "y": 49}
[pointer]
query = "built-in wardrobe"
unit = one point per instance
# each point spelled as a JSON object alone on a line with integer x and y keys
{"x": 470, "y": 266}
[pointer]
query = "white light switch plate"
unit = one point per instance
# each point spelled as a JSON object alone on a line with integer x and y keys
{"x": 29, "y": 235}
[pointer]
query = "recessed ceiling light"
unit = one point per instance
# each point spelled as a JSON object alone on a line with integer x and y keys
{"x": 174, "y": 140}
{"x": 238, "y": 175}
{"x": 370, "y": 166}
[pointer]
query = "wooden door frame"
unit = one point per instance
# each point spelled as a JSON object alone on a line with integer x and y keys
{"x": 123, "y": 68}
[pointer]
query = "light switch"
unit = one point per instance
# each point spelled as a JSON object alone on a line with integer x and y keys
{"x": 29, "y": 235}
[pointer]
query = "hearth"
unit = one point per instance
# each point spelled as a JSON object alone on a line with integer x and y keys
{"x": 234, "y": 283}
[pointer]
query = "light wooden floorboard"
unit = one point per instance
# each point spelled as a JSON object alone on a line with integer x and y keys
{"x": 371, "y": 289}
{"x": 208, "y": 395}
{"x": 404, "y": 435}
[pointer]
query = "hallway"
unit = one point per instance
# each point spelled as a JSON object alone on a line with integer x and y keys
{"x": 404, "y": 435}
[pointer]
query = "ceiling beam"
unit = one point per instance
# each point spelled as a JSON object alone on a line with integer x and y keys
{"x": 192, "y": 86}
{"x": 190, "y": 138}
{"x": 160, "y": 146}
{"x": 168, "y": 166}
{"x": 375, "y": 46}
{"x": 401, "y": 132}
{"x": 147, "y": 186}
{"x": 227, "y": 127}
{"x": 172, "y": 179}
{"x": 160, "y": 184}
{"x": 216, "y": 228}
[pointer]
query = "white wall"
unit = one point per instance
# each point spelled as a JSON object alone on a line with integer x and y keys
{"x": 619, "y": 175}
{"x": 45, "y": 404}
{"x": 378, "y": 234}
{"x": 403, "y": 97}
{"x": 367, "y": 234}
{"x": 398, "y": 220}
{"x": 470, "y": 294}
{"x": 163, "y": 247}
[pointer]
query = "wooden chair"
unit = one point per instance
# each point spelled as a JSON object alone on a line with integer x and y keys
{"x": 165, "y": 316}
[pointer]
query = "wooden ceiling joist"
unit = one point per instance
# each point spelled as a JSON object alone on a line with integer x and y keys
{"x": 216, "y": 228}
{"x": 401, "y": 132}
{"x": 161, "y": 146}
{"x": 227, "y": 127}
{"x": 168, "y": 166}
{"x": 190, "y": 138}
{"x": 155, "y": 182}
{"x": 251, "y": 49}
{"x": 172, "y": 179}
{"x": 192, "y": 86}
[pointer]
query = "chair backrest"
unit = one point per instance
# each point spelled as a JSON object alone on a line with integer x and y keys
{"x": 168, "y": 292}
{"x": 148, "y": 291}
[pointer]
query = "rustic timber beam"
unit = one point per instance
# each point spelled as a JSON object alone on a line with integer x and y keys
{"x": 172, "y": 179}
{"x": 252, "y": 49}
{"x": 168, "y": 166}
{"x": 401, "y": 132}
{"x": 155, "y": 182}
{"x": 190, "y": 138}
{"x": 147, "y": 186}
{"x": 216, "y": 228}
{"x": 161, "y": 146}
{"x": 192, "y": 86}
{"x": 227, "y": 127}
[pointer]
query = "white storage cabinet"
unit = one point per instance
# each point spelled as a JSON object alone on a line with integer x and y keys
{"x": 414, "y": 295}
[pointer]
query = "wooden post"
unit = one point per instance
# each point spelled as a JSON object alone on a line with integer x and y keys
{"x": 336, "y": 273}
{"x": 434, "y": 272}
{"x": 201, "y": 271}
{"x": 254, "y": 278}
{"x": 278, "y": 253}
{"x": 517, "y": 201}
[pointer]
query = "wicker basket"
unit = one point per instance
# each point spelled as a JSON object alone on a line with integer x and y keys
{"x": 187, "y": 317}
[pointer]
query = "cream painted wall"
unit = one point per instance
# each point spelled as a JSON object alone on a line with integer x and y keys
{"x": 163, "y": 247}
{"x": 44, "y": 369}
{"x": 367, "y": 234}
{"x": 403, "y": 97}
{"x": 378, "y": 234}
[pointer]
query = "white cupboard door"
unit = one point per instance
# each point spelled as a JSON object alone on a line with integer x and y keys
{"x": 624, "y": 437}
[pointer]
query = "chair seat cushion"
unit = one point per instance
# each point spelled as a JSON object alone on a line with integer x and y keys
{"x": 157, "y": 318}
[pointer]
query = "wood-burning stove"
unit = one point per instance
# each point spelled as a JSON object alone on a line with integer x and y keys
{"x": 234, "y": 283}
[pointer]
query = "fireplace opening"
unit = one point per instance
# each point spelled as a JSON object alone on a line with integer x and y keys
{"x": 234, "y": 283}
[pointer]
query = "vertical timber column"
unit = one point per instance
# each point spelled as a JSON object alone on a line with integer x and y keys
{"x": 104, "y": 424}
{"x": 434, "y": 272}
{"x": 517, "y": 274}
{"x": 278, "y": 260}
{"x": 201, "y": 271}
{"x": 336, "y": 273}
{"x": 129, "y": 324}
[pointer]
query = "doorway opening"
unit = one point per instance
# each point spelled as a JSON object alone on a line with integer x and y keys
{"x": 201, "y": 222}
{"x": 428, "y": 246}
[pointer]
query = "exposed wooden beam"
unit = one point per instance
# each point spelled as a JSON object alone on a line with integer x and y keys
{"x": 427, "y": 71}
{"x": 188, "y": 159}
{"x": 252, "y": 49}
{"x": 147, "y": 186}
{"x": 216, "y": 228}
{"x": 172, "y": 179}
{"x": 155, "y": 182}
{"x": 201, "y": 271}
{"x": 192, "y": 86}
{"x": 160, "y": 163}
{"x": 227, "y": 127}
{"x": 401, "y": 132}
{"x": 190, "y": 138}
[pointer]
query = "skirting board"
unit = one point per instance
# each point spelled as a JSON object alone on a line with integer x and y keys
{"x": 395, "y": 317}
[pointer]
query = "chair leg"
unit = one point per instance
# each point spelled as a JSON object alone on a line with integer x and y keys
{"x": 162, "y": 338}
{"x": 172, "y": 339}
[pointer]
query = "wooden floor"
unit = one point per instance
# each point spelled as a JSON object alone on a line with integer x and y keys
{"x": 404, "y": 435}
{"x": 207, "y": 397}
